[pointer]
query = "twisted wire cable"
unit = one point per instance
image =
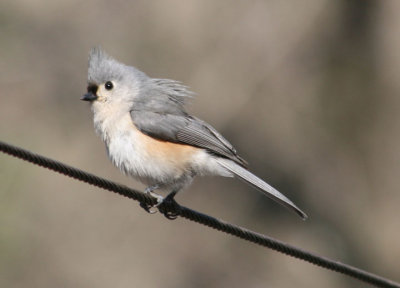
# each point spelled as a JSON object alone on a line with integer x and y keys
{"x": 173, "y": 208}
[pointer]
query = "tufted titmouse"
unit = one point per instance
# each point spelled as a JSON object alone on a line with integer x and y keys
{"x": 149, "y": 135}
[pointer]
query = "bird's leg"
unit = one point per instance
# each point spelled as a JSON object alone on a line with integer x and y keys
{"x": 170, "y": 201}
{"x": 149, "y": 190}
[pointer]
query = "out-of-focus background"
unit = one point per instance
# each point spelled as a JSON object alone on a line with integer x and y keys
{"x": 307, "y": 91}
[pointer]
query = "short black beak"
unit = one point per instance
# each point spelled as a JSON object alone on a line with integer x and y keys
{"x": 89, "y": 97}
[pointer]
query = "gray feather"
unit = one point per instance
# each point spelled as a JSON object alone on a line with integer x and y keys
{"x": 103, "y": 67}
{"x": 162, "y": 96}
{"x": 184, "y": 129}
{"x": 159, "y": 112}
{"x": 264, "y": 187}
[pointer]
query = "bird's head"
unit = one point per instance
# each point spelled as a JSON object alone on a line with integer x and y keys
{"x": 111, "y": 83}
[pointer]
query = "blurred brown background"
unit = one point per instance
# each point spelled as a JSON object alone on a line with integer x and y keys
{"x": 307, "y": 91}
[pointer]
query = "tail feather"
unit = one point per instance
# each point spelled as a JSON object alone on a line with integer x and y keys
{"x": 246, "y": 176}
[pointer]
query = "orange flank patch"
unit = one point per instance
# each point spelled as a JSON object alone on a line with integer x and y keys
{"x": 179, "y": 154}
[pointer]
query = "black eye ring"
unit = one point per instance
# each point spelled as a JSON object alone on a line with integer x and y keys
{"x": 109, "y": 85}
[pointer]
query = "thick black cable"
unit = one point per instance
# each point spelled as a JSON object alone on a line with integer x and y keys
{"x": 174, "y": 208}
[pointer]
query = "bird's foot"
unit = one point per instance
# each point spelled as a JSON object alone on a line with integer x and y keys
{"x": 148, "y": 207}
{"x": 173, "y": 212}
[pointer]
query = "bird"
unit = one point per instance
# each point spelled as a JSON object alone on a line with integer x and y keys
{"x": 151, "y": 137}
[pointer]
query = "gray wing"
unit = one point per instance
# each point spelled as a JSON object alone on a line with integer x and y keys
{"x": 158, "y": 111}
{"x": 179, "y": 127}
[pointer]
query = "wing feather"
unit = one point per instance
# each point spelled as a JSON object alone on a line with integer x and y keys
{"x": 184, "y": 129}
{"x": 158, "y": 111}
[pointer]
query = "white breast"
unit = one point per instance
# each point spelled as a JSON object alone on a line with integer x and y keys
{"x": 138, "y": 155}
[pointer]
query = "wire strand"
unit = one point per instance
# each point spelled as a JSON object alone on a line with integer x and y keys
{"x": 174, "y": 208}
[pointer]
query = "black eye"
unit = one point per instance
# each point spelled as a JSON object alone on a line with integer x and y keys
{"x": 109, "y": 85}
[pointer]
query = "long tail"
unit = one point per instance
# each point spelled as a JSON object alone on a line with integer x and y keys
{"x": 262, "y": 186}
